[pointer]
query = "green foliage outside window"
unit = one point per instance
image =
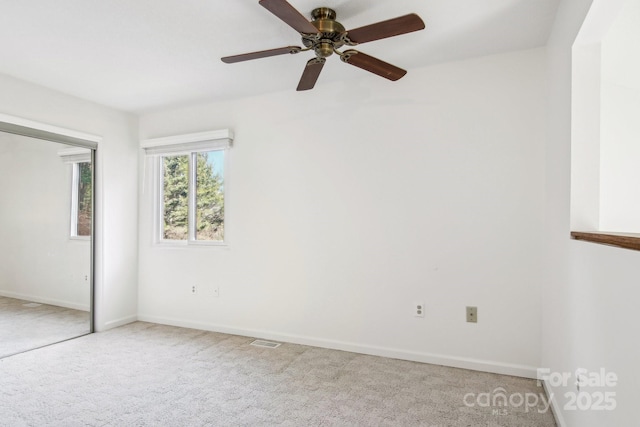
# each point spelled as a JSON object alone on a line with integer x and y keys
{"x": 209, "y": 201}
{"x": 84, "y": 199}
{"x": 209, "y": 197}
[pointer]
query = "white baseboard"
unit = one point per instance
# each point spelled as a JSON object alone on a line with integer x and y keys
{"x": 118, "y": 322}
{"x": 555, "y": 408}
{"x": 435, "y": 359}
{"x": 45, "y": 300}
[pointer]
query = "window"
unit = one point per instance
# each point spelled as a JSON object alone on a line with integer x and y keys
{"x": 81, "y": 200}
{"x": 81, "y": 190}
{"x": 191, "y": 187}
{"x": 192, "y": 205}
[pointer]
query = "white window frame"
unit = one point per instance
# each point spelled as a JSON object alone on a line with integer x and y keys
{"x": 190, "y": 145}
{"x": 75, "y": 156}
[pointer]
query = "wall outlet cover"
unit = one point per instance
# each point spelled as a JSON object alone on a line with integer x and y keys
{"x": 472, "y": 314}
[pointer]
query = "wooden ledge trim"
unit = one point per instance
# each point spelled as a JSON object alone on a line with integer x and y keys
{"x": 620, "y": 240}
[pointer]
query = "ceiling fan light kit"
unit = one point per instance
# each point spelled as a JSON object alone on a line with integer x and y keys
{"x": 324, "y": 35}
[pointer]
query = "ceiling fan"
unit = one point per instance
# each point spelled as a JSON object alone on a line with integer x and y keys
{"x": 324, "y": 35}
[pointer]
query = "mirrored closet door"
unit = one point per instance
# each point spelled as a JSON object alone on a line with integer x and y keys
{"x": 46, "y": 214}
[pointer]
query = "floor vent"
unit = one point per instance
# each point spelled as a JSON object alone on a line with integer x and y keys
{"x": 31, "y": 304}
{"x": 267, "y": 344}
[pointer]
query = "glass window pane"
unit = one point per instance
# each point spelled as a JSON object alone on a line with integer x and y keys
{"x": 83, "y": 221}
{"x": 175, "y": 203}
{"x": 210, "y": 196}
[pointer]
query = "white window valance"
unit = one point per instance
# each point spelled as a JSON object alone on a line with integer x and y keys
{"x": 189, "y": 143}
{"x": 75, "y": 155}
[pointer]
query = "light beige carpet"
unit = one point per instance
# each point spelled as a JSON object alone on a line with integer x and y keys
{"x": 25, "y": 325}
{"x": 151, "y": 375}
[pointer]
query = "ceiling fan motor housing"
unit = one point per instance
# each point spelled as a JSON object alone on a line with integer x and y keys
{"x": 330, "y": 35}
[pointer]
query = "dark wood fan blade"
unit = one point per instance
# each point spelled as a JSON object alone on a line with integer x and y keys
{"x": 311, "y": 74}
{"x": 390, "y": 28}
{"x": 261, "y": 54}
{"x": 283, "y": 10}
{"x": 373, "y": 65}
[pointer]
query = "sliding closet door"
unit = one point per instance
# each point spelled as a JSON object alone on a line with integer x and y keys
{"x": 46, "y": 228}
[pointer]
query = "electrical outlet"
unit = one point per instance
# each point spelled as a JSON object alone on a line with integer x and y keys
{"x": 418, "y": 309}
{"x": 215, "y": 292}
{"x": 472, "y": 314}
{"x": 194, "y": 289}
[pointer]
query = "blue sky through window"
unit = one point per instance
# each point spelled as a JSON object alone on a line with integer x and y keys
{"x": 216, "y": 159}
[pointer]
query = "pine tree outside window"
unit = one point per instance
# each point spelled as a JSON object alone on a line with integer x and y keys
{"x": 193, "y": 196}
{"x": 81, "y": 204}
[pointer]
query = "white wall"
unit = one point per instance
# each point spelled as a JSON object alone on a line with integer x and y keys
{"x": 605, "y": 129}
{"x": 40, "y": 262}
{"x": 620, "y": 106}
{"x": 585, "y": 136}
{"x": 350, "y": 202}
{"x": 590, "y": 290}
{"x": 116, "y": 237}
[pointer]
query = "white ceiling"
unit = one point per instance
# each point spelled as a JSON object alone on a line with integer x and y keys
{"x": 141, "y": 55}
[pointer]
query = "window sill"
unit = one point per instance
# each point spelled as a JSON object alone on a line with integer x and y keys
{"x": 620, "y": 240}
{"x": 179, "y": 244}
